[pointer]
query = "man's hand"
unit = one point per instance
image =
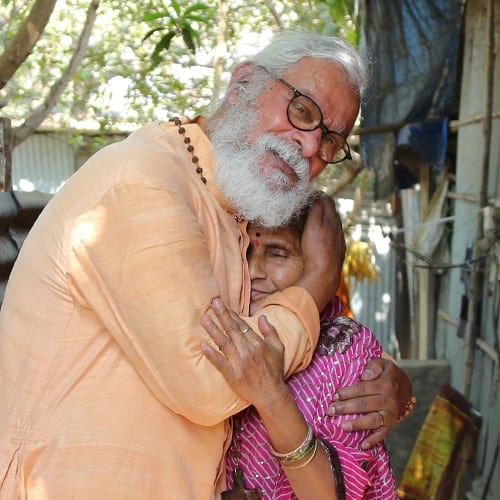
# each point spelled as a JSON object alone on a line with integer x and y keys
{"x": 323, "y": 248}
{"x": 381, "y": 397}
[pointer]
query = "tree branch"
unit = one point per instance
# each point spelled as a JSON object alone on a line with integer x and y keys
{"x": 39, "y": 114}
{"x": 350, "y": 169}
{"x": 26, "y": 38}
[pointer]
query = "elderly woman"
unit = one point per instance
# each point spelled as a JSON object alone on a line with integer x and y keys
{"x": 286, "y": 445}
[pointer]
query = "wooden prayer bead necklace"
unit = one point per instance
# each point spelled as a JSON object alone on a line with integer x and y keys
{"x": 190, "y": 148}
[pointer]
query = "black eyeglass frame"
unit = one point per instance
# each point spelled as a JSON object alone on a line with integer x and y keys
{"x": 297, "y": 93}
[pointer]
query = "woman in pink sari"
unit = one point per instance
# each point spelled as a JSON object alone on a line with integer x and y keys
{"x": 286, "y": 445}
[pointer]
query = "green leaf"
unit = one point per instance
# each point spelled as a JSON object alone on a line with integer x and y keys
{"x": 196, "y": 6}
{"x": 187, "y": 35}
{"x": 176, "y": 7}
{"x": 163, "y": 44}
{"x": 204, "y": 20}
{"x": 150, "y": 32}
{"x": 151, "y": 17}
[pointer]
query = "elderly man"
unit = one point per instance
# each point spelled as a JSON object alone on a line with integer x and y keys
{"x": 104, "y": 390}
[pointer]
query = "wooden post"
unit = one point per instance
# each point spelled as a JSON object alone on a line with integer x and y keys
{"x": 423, "y": 275}
{"x": 5, "y": 155}
{"x": 477, "y": 274}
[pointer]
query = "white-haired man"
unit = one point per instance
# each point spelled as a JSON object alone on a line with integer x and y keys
{"x": 104, "y": 390}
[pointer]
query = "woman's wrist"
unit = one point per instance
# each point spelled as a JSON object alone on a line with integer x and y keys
{"x": 274, "y": 402}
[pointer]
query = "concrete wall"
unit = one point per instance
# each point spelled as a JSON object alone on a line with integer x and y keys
{"x": 427, "y": 378}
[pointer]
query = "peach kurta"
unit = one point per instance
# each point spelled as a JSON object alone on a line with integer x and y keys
{"x": 104, "y": 392}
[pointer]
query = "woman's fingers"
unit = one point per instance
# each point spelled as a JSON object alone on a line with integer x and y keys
{"x": 232, "y": 333}
{"x": 237, "y": 330}
{"x": 269, "y": 333}
{"x": 217, "y": 358}
{"x": 218, "y": 336}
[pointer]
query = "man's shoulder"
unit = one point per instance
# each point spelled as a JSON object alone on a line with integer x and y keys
{"x": 152, "y": 154}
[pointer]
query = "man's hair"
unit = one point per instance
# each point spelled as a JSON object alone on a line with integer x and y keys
{"x": 288, "y": 47}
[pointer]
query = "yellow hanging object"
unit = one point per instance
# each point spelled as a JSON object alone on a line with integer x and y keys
{"x": 360, "y": 261}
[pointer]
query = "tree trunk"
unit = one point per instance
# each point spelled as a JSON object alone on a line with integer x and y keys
{"x": 26, "y": 38}
{"x": 39, "y": 114}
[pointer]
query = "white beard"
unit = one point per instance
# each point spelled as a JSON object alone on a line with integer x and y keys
{"x": 269, "y": 200}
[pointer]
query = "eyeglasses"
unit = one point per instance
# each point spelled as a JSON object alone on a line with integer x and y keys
{"x": 304, "y": 114}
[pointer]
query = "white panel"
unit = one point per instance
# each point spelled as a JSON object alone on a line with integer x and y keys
{"x": 43, "y": 162}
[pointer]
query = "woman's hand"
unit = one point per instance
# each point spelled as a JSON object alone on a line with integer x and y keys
{"x": 381, "y": 396}
{"x": 252, "y": 366}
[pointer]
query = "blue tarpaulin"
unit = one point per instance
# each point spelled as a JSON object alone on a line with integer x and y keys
{"x": 413, "y": 50}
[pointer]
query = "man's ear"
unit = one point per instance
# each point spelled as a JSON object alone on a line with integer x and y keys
{"x": 240, "y": 78}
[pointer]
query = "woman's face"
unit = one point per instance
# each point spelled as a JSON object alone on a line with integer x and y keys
{"x": 275, "y": 261}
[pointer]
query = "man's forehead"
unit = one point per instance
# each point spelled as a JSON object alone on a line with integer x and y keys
{"x": 326, "y": 82}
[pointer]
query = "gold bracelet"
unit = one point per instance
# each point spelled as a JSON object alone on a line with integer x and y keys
{"x": 301, "y": 450}
{"x": 301, "y": 454}
{"x": 313, "y": 454}
{"x": 409, "y": 407}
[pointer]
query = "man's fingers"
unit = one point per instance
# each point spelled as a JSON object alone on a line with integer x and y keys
{"x": 359, "y": 390}
{"x": 375, "y": 437}
{"x": 370, "y": 404}
{"x": 372, "y": 420}
{"x": 373, "y": 369}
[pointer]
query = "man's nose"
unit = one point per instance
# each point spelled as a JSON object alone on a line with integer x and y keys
{"x": 309, "y": 145}
{"x": 309, "y": 142}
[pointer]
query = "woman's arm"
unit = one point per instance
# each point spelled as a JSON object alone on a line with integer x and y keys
{"x": 253, "y": 367}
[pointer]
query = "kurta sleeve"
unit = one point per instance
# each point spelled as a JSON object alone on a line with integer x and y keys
{"x": 139, "y": 260}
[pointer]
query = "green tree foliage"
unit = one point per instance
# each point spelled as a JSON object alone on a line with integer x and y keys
{"x": 147, "y": 60}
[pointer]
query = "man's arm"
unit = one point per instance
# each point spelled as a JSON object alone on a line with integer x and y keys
{"x": 140, "y": 262}
{"x": 385, "y": 391}
{"x": 323, "y": 250}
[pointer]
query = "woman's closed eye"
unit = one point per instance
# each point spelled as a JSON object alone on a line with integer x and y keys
{"x": 280, "y": 253}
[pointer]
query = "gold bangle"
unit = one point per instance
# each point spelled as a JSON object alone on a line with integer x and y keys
{"x": 301, "y": 454}
{"x": 300, "y": 450}
{"x": 313, "y": 454}
{"x": 409, "y": 407}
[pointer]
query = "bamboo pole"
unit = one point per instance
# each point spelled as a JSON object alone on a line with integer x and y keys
{"x": 453, "y": 125}
{"x": 477, "y": 274}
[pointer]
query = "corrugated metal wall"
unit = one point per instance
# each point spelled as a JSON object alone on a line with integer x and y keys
{"x": 373, "y": 302}
{"x": 43, "y": 162}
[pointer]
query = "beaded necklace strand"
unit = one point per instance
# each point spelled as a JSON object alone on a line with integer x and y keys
{"x": 189, "y": 147}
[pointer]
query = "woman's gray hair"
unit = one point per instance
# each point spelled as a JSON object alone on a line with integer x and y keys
{"x": 288, "y": 47}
